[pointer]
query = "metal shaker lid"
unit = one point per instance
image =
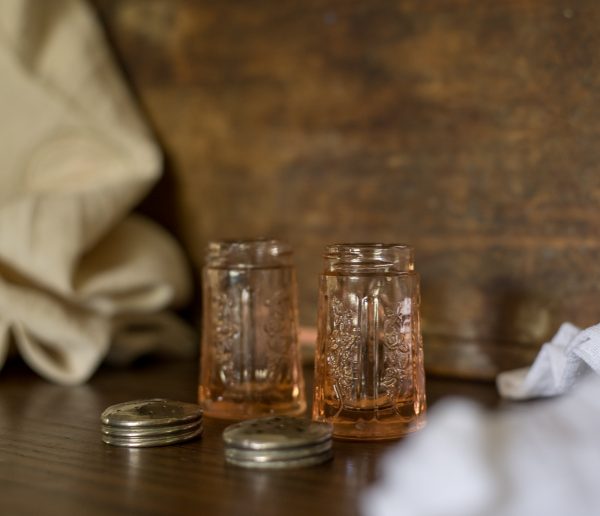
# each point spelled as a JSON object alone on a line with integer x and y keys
{"x": 153, "y": 440}
{"x": 276, "y": 433}
{"x": 151, "y": 413}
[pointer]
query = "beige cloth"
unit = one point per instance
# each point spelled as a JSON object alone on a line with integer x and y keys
{"x": 77, "y": 273}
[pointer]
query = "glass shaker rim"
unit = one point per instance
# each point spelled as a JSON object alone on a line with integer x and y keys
{"x": 267, "y": 242}
{"x": 248, "y": 252}
{"x": 365, "y": 257}
{"x": 366, "y": 246}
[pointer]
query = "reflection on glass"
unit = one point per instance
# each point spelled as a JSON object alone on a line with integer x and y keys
{"x": 369, "y": 377}
{"x": 250, "y": 362}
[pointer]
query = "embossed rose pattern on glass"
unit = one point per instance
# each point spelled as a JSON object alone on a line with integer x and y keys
{"x": 250, "y": 363}
{"x": 369, "y": 376}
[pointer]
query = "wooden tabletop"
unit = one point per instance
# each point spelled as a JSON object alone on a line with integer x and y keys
{"x": 53, "y": 462}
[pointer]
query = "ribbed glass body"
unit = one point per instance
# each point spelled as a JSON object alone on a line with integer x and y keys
{"x": 250, "y": 362}
{"x": 369, "y": 376}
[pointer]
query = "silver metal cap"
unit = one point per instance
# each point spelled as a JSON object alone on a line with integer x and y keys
{"x": 276, "y": 433}
{"x": 151, "y": 413}
{"x": 303, "y": 462}
{"x": 287, "y": 454}
{"x": 147, "y": 441}
{"x": 153, "y": 431}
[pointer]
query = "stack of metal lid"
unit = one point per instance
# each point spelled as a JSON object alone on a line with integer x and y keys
{"x": 154, "y": 422}
{"x": 277, "y": 442}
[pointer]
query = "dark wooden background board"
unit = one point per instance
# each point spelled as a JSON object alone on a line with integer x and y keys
{"x": 469, "y": 128}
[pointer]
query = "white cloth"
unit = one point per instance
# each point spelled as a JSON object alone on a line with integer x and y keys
{"x": 533, "y": 459}
{"x": 539, "y": 458}
{"x": 557, "y": 366}
{"x": 77, "y": 273}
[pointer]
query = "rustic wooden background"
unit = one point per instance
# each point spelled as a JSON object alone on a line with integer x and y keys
{"x": 470, "y": 128}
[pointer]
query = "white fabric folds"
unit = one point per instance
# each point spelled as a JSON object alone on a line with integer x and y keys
{"x": 528, "y": 459}
{"x": 77, "y": 272}
{"x": 557, "y": 367}
{"x": 533, "y": 458}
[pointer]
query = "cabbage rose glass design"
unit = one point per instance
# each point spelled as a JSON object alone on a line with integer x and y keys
{"x": 369, "y": 376}
{"x": 250, "y": 361}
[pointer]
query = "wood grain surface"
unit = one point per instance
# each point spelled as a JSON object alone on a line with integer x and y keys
{"x": 52, "y": 461}
{"x": 469, "y": 128}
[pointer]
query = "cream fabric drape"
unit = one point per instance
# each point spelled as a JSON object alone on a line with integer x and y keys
{"x": 79, "y": 275}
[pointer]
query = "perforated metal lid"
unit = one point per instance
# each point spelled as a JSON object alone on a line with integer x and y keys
{"x": 302, "y": 462}
{"x": 151, "y": 431}
{"x": 276, "y": 433}
{"x": 147, "y": 441}
{"x": 239, "y": 454}
{"x": 151, "y": 413}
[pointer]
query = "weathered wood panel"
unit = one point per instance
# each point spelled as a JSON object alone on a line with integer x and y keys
{"x": 469, "y": 128}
